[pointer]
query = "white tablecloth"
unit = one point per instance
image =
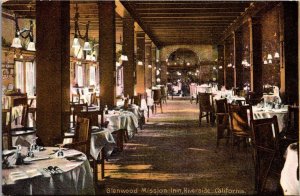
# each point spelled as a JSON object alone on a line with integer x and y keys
{"x": 123, "y": 120}
{"x": 193, "y": 91}
{"x": 282, "y": 115}
{"x": 76, "y": 179}
{"x": 102, "y": 139}
{"x": 288, "y": 179}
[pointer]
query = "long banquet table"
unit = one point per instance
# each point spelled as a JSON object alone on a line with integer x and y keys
{"x": 75, "y": 177}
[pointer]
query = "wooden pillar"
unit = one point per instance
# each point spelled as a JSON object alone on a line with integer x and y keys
{"x": 140, "y": 69}
{"x": 128, "y": 49}
{"x": 238, "y": 55}
{"x": 154, "y": 64}
{"x": 107, "y": 53}
{"x": 220, "y": 63}
{"x": 52, "y": 69}
{"x": 256, "y": 55}
{"x": 224, "y": 63}
{"x": 148, "y": 62}
{"x": 289, "y": 51}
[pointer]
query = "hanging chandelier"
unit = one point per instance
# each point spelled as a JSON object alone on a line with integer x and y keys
{"x": 24, "y": 33}
{"x": 77, "y": 34}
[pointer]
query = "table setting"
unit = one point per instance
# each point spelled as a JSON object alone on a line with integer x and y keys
{"x": 122, "y": 120}
{"x": 45, "y": 170}
{"x": 268, "y": 110}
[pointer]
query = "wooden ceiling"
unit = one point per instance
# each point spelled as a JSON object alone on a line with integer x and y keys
{"x": 88, "y": 11}
{"x": 186, "y": 22}
{"x": 166, "y": 22}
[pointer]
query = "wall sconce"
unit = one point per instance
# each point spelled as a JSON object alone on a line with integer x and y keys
{"x": 149, "y": 66}
{"x": 16, "y": 43}
{"x": 140, "y": 63}
{"x": 77, "y": 34}
{"x": 220, "y": 67}
{"x": 124, "y": 57}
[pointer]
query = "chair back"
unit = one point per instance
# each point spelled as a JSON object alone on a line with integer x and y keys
{"x": 75, "y": 98}
{"x": 93, "y": 100}
{"x": 77, "y": 108}
{"x": 265, "y": 134}
{"x": 157, "y": 95}
{"x": 240, "y": 117}
{"x": 83, "y": 134}
{"x": 137, "y": 99}
{"x": 19, "y": 100}
{"x": 163, "y": 91}
{"x": 205, "y": 102}
{"x": 221, "y": 105}
{"x": 293, "y": 118}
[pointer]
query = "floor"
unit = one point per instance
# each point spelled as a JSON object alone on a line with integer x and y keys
{"x": 173, "y": 155}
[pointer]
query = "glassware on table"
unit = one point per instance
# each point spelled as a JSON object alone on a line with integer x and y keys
{"x": 60, "y": 153}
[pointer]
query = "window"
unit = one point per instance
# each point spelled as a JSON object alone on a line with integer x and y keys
{"x": 30, "y": 78}
{"x": 19, "y": 76}
{"x": 92, "y": 75}
{"x": 79, "y": 75}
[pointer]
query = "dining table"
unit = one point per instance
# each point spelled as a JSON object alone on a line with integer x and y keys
{"x": 48, "y": 174}
{"x": 289, "y": 178}
{"x": 102, "y": 138}
{"x": 260, "y": 112}
{"x": 122, "y": 120}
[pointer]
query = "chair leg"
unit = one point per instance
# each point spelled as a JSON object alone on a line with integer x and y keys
{"x": 95, "y": 171}
{"x": 102, "y": 163}
{"x": 161, "y": 110}
{"x": 207, "y": 117}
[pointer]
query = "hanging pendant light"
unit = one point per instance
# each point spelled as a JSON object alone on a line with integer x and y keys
{"x": 276, "y": 55}
{"x": 16, "y": 43}
{"x": 124, "y": 58}
{"x": 269, "y": 57}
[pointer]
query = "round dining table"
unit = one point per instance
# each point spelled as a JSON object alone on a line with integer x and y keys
{"x": 72, "y": 174}
{"x": 289, "y": 179}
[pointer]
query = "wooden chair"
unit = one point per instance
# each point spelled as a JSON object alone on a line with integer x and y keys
{"x": 252, "y": 98}
{"x": 77, "y": 109}
{"x": 164, "y": 93}
{"x": 157, "y": 100}
{"x": 93, "y": 126}
{"x": 82, "y": 142}
{"x": 205, "y": 106}
{"x": 240, "y": 126}
{"x": 267, "y": 156}
{"x": 19, "y": 128}
{"x": 137, "y": 100}
{"x": 222, "y": 120}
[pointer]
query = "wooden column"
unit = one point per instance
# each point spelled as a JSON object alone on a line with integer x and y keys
{"x": 154, "y": 64}
{"x": 140, "y": 69}
{"x": 128, "y": 49}
{"x": 238, "y": 55}
{"x": 148, "y": 61}
{"x": 220, "y": 63}
{"x": 289, "y": 51}
{"x": 256, "y": 55}
{"x": 107, "y": 53}
{"x": 52, "y": 69}
{"x": 224, "y": 63}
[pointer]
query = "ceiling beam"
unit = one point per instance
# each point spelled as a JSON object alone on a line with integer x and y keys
{"x": 146, "y": 29}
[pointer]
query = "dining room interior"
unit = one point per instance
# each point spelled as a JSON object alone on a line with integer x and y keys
{"x": 150, "y": 97}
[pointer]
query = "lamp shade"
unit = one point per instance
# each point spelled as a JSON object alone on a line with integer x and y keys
{"x": 140, "y": 63}
{"x": 149, "y": 66}
{"x": 31, "y": 46}
{"x": 220, "y": 67}
{"x": 276, "y": 55}
{"x": 124, "y": 58}
{"x": 229, "y": 65}
{"x": 87, "y": 46}
{"x": 16, "y": 43}
{"x": 269, "y": 57}
{"x": 76, "y": 43}
{"x": 265, "y": 62}
{"x": 270, "y": 61}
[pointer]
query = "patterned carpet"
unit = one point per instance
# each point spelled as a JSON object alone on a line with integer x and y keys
{"x": 174, "y": 156}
